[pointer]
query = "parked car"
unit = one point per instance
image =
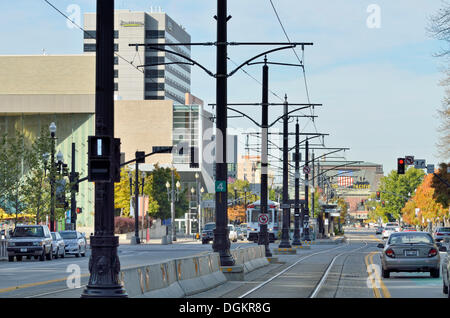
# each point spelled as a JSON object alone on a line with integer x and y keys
{"x": 379, "y": 230}
{"x": 409, "y": 229}
{"x": 208, "y": 232}
{"x": 440, "y": 233}
{"x": 393, "y": 224}
{"x": 232, "y": 234}
{"x": 58, "y": 246}
{"x": 29, "y": 241}
{"x": 388, "y": 230}
{"x": 445, "y": 266}
{"x": 75, "y": 243}
{"x": 410, "y": 252}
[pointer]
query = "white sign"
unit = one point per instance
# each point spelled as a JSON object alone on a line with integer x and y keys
{"x": 326, "y": 221}
{"x": 335, "y": 214}
{"x": 409, "y": 160}
{"x": 430, "y": 168}
{"x": 420, "y": 164}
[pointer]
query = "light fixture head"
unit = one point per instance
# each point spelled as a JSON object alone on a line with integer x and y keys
{"x": 52, "y": 128}
{"x": 60, "y": 156}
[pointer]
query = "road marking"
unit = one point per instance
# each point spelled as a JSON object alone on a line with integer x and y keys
{"x": 376, "y": 292}
{"x": 383, "y": 286}
{"x": 8, "y": 289}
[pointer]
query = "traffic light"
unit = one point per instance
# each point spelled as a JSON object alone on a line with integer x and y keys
{"x": 100, "y": 159}
{"x": 401, "y": 166}
{"x": 378, "y": 195}
{"x": 79, "y": 210}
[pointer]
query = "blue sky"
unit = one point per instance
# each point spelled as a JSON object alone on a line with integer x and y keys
{"x": 379, "y": 86}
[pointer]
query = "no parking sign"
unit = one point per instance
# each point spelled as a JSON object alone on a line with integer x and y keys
{"x": 263, "y": 219}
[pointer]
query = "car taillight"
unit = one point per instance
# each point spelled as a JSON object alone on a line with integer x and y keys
{"x": 432, "y": 252}
{"x": 390, "y": 253}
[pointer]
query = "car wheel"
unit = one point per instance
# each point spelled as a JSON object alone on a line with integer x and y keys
{"x": 435, "y": 273}
{"x": 10, "y": 258}
{"x": 36, "y": 256}
{"x": 444, "y": 288}
{"x": 78, "y": 253}
{"x": 50, "y": 255}
{"x": 57, "y": 253}
{"x": 19, "y": 258}
{"x": 204, "y": 242}
{"x": 84, "y": 253}
{"x": 63, "y": 253}
{"x": 28, "y": 256}
{"x": 385, "y": 273}
{"x": 42, "y": 256}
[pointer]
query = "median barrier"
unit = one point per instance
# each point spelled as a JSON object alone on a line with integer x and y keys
{"x": 3, "y": 251}
{"x": 186, "y": 276}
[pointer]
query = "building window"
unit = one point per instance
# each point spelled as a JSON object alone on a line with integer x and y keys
{"x": 154, "y": 73}
{"x": 155, "y": 34}
{"x": 116, "y": 87}
{"x": 116, "y": 73}
{"x": 92, "y": 35}
{"x": 116, "y": 60}
{"x": 149, "y": 97}
{"x": 154, "y": 60}
{"x": 154, "y": 87}
{"x": 90, "y": 47}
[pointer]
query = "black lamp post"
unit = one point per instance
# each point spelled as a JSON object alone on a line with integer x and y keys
{"x": 52, "y": 129}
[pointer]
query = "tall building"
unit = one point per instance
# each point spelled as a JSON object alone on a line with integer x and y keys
{"x": 152, "y": 82}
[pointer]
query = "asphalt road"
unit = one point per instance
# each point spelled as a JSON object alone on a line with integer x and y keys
{"x": 347, "y": 270}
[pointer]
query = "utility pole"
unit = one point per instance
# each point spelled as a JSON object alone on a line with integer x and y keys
{"x": 263, "y": 237}
{"x": 313, "y": 191}
{"x": 296, "y": 239}
{"x": 104, "y": 264}
{"x": 286, "y": 211}
{"x": 136, "y": 239}
{"x": 221, "y": 242}
{"x": 305, "y": 223}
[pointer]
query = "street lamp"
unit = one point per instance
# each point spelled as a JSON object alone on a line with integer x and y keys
{"x": 199, "y": 200}
{"x": 52, "y": 129}
{"x": 172, "y": 196}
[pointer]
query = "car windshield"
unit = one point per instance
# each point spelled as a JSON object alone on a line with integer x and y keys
{"x": 444, "y": 229}
{"x": 28, "y": 232}
{"x": 209, "y": 226}
{"x": 68, "y": 235}
{"x": 410, "y": 238}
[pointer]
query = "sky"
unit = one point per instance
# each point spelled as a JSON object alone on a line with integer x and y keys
{"x": 372, "y": 65}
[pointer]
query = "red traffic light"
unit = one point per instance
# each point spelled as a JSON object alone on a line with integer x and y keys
{"x": 401, "y": 161}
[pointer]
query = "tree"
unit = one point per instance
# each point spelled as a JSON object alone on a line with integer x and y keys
{"x": 424, "y": 200}
{"x": 37, "y": 185}
{"x": 396, "y": 189}
{"x": 237, "y": 213}
{"x": 122, "y": 194}
{"x": 439, "y": 28}
{"x": 442, "y": 190}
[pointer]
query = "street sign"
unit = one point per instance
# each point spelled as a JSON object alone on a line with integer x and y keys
{"x": 263, "y": 219}
{"x": 221, "y": 186}
{"x": 430, "y": 168}
{"x": 409, "y": 160}
{"x": 420, "y": 164}
{"x": 306, "y": 169}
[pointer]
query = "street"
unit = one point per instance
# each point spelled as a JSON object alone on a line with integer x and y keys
{"x": 346, "y": 270}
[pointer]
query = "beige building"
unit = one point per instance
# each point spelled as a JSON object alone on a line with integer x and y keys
{"x": 38, "y": 90}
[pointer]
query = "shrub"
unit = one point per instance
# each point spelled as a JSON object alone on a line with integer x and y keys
{"x": 124, "y": 225}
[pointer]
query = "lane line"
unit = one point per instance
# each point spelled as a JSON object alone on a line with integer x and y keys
{"x": 376, "y": 292}
{"x": 384, "y": 289}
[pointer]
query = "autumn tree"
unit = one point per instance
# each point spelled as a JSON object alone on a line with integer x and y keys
{"x": 440, "y": 185}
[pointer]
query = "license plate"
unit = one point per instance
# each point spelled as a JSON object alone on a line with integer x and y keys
{"x": 411, "y": 253}
{"x": 23, "y": 250}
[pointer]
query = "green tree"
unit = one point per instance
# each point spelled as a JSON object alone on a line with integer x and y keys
{"x": 396, "y": 190}
{"x": 122, "y": 194}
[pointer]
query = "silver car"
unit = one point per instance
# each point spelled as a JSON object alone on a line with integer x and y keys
{"x": 29, "y": 241}
{"x": 445, "y": 266}
{"x": 75, "y": 243}
{"x": 58, "y": 245}
{"x": 410, "y": 252}
{"x": 388, "y": 230}
{"x": 441, "y": 233}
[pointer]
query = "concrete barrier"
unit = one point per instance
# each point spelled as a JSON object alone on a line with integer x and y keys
{"x": 186, "y": 276}
{"x": 3, "y": 251}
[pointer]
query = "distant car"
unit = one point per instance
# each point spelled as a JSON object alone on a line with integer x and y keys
{"x": 393, "y": 224}
{"x": 208, "y": 232}
{"x": 29, "y": 241}
{"x": 244, "y": 228}
{"x": 388, "y": 230}
{"x": 441, "y": 233}
{"x": 410, "y": 252}
{"x": 75, "y": 243}
{"x": 379, "y": 230}
{"x": 58, "y": 246}
{"x": 240, "y": 233}
{"x": 409, "y": 229}
{"x": 232, "y": 234}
